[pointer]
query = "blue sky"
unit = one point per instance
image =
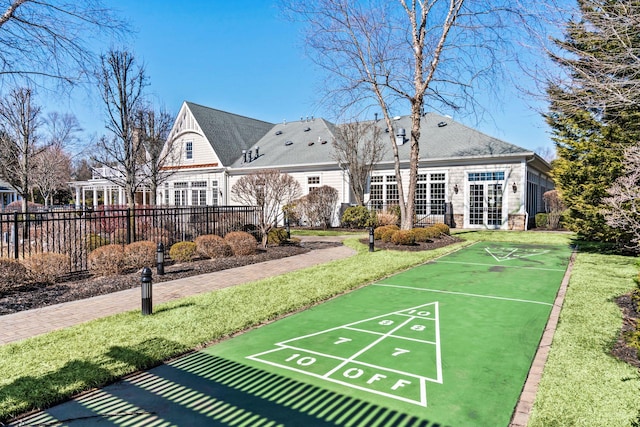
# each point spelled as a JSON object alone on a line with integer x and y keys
{"x": 243, "y": 57}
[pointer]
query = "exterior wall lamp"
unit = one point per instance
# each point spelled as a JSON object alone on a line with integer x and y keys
{"x": 456, "y": 189}
{"x": 514, "y": 187}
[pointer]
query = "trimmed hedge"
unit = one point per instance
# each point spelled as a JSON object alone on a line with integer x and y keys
{"x": 183, "y": 251}
{"x": 213, "y": 246}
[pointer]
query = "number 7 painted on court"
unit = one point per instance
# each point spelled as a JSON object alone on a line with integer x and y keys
{"x": 392, "y": 355}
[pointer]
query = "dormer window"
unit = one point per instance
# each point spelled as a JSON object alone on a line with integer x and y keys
{"x": 188, "y": 150}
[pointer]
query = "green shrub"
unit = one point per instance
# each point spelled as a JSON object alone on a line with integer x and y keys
{"x": 358, "y": 217}
{"x": 241, "y": 243}
{"x": 387, "y": 234}
{"x": 140, "y": 254}
{"x": 106, "y": 260}
{"x": 183, "y": 251}
{"x": 12, "y": 274}
{"x": 379, "y": 231}
{"x": 423, "y": 234}
{"x": 277, "y": 236}
{"x": 432, "y": 232}
{"x": 442, "y": 228}
{"x": 212, "y": 246}
{"x": 403, "y": 237}
{"x": 94, "y": 241}
{"x": 542, "y": 220}
{"x": 46, "y": 267}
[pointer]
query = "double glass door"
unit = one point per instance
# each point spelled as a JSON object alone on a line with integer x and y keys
{"x": 485, "y": 204}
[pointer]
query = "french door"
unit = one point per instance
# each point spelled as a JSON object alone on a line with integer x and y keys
{"x": 485, "y": 204}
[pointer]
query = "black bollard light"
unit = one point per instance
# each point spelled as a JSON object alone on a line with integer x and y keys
{"x": 160, "y": 259}
{"x": 147, "y": 303}
{"x": 371, "y": 240}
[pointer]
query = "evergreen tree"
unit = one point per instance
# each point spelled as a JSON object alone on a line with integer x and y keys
{"x": 592, "y": 112}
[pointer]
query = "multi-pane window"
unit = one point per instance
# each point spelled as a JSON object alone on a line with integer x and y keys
{"x": 188, "y": 150}
{"x": 199, "y": 193}
{"x": 214, "y": 193}
{"x": 437, "y": 193}
{"x": 313, "y": 182}
{"x": 180, "y": 193}
{"x": 376, "y": 194}
{"x": 430, "y": 194}
{"x": 392, "y": 191}
{"x": 486, "y": 176}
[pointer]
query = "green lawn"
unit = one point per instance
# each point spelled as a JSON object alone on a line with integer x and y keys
{"x": 581, "y": 385}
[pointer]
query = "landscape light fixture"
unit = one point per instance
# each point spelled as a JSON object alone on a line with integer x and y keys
{"x": 147, "y": 301}
{"x": 371, "y": 239}
{"x": 160, "y": 259}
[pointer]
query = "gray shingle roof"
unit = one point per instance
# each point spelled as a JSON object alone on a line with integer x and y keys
{"x": 308, "y": 142}
{"x": 440, "y": 138}
{"x": 228, "y": 133}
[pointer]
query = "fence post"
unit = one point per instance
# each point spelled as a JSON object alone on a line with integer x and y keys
{"x": 15, "y": 235}
{"x": 128, "y": 226}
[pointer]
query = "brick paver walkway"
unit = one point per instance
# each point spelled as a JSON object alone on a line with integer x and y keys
{"x": 25, "y": 324}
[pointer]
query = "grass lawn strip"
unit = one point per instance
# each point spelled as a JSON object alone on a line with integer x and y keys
{"x": 582, "y": 384}
{"x": 47, "y": 369}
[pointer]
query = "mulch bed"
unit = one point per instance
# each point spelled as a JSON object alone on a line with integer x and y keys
{"x": 421, "y": 246}
{"x": 37, "y": 295}
{"x": 630, "y": 316}
{"x": 79, "y": 287}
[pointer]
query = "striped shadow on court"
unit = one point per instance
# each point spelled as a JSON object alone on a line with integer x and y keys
{"x": 203, "y": 389}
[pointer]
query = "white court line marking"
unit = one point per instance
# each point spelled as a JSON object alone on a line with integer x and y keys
{"x": 463, "y": 294}
{"x": 366, "y": 348}
{"x": 391, "y": 336}
{"x": 422, "y": 380}
{"x": 423, "y": 394}
{"x": 495, "y": 265}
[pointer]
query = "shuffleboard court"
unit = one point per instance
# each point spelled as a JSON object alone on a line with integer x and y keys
{"x": 447, "y": 343}
{"x": 450, "y": 341}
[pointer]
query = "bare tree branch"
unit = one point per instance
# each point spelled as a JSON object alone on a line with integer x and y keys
{"x": 44, "y": 40}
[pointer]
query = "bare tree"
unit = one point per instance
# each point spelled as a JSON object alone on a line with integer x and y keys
{"x": 554, "y": 206}
{"x": 358, "y": 147}
{"x": 19, "y": 124}
{"x": 52, "y": 171}
{"x": 121, "y": 82}
{"x": 319, "y": 206}
{"x": 51, "y": 38}
{"x": 623, "y": 204}
{"x": 153, "y": 128}
{"x": 405, "y": 54}
{"x": 269, "y": 190}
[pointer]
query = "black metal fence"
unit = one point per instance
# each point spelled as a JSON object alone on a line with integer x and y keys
{"x": 78, "y": 232}
{"x": 426, "y": 213}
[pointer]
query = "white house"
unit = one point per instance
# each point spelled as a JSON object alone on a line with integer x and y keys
{"x": 489, "y": 183}
{"x": 7, "y": 195}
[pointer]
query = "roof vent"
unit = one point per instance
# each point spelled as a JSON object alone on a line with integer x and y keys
{"x": 310, "y": 144}
{"x": 307, "y": 129}
{"x": 396, "y": 118}
{"x": 288, "y": 143}
{"x": 400, "y": 136}
{"x": 442, "y": 124}
{"x": 386, "y": 130}
{"x": 279, "y": 132}
{"x": 323, "y": 142}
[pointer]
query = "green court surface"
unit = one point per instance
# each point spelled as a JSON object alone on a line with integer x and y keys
{"x": 448, "y": 343}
